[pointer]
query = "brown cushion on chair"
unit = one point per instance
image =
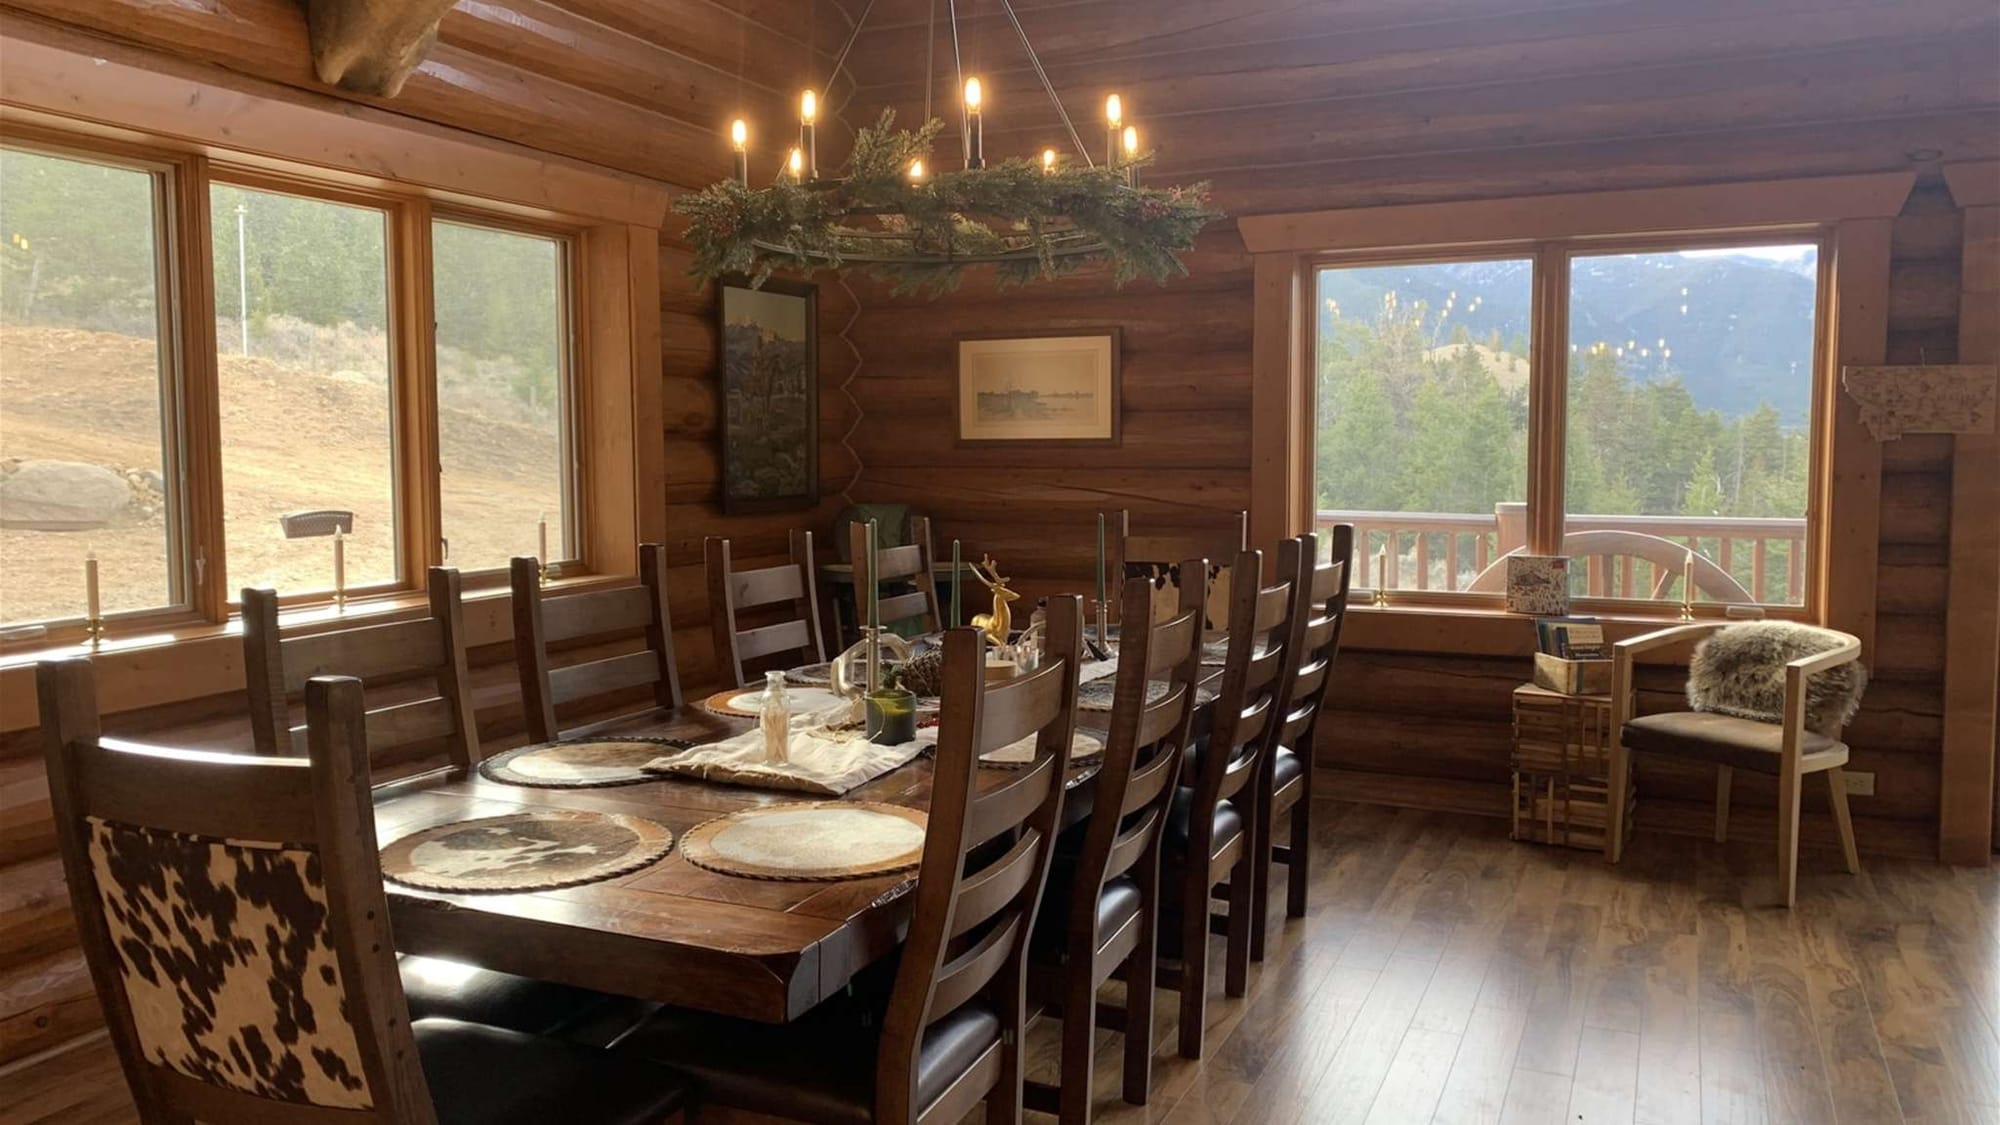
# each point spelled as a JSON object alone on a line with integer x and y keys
{"x": 1722, "y": 739}
{"x": 1117, "y": 904}
{"x": 490, "y": 1076}
{"x": 818, "y": 1068}
{"x": 1228, "y": 823}
{"x": 449, "y": 990}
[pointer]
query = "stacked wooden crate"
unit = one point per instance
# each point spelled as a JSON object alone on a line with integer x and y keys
{"x": 1562, "y": 767}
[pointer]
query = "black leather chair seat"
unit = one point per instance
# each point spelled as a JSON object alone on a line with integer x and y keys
{"x": 1117, "y": 904}
{"x": 448, "y": 990}
{"x": 1285, "y": 768}
{"x": 818, "y": 1068}
{"x": 1228, "y": 824}
{"x": 1722, "y": 739}
{"x": 482, "y": 1075}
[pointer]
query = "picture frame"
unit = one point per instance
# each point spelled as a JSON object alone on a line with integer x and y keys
{"x": 1054, "y": 389}
{"x": 767, "y": 376}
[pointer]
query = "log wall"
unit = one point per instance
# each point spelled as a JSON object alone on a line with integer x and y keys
{"x": 1287, "y": 107}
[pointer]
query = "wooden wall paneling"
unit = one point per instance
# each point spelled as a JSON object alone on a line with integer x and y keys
{"x": 1967, "y": 814}
{"x": 1280, "y": 414}
{"x": 1851, "y": 512}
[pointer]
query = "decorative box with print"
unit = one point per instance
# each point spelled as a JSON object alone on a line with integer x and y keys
{"x": 1562, "y": 766}
{"x": 1538, "y": 584}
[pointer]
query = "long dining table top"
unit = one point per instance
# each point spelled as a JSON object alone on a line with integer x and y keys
{"x": 671, "y": 932}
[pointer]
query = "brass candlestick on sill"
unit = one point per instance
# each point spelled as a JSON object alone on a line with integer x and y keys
{"x": 93, "y": 628}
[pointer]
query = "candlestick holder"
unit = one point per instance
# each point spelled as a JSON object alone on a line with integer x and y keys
{"x": 1687, "y": 610}
{"x": 93, "y": 629}
{"x": 1102, "y": 618}
{"x": 541, "y": 572}
{"x": 1381, "y": 598}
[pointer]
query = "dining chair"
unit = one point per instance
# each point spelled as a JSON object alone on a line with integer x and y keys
{"x": 946, "y": 1033}
{"x": 1209, "y": 829}
{"x": 542, "y": 623}
{"x": 1284, "y": 783}
{"x": 731, "y": 591}
{"x": 1101, "y": 912}
{"x": 910, "y": 564}
{"x": 1156, "y": 556}
{"x": 1788, "y": 749}
{"x": 272, "y": 997}
{"x": 276, "y": 668}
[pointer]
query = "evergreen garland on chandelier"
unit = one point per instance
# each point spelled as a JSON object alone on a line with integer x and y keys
{"x": 1030, "y": 220}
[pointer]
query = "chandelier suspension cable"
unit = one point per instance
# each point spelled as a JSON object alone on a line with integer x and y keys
{"x": 957, "y": 64}
{"x": 840, "y": 60}
{"x": 1035, "y": 61}
{"x": 930, "y": 58}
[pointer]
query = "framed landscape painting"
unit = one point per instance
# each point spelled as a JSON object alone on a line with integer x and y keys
{"x": 1055, "y": 388}
{"x": 769, "y": 397}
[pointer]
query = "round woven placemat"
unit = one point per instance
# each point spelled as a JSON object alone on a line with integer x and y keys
{"x": 579, "y": 763}
{"x": 1085, "y": 747}
{"x": 525, "y": 851}
{"x": 809, "y": 842}
{"x": 811, "y": 675}
{"x": 1098, "y": 695}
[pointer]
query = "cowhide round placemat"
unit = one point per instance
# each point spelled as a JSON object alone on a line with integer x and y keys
{"x": 580, "y": 763}
{"x": 1098, "y": 695}
{"x": 525, "y": 851}
{"x": 744, "y": 703}
{"x": 820, "y": 841}
{"x": 1085, "y": 747}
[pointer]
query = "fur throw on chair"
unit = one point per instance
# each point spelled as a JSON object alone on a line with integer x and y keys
{"x": 1740, "y": 671}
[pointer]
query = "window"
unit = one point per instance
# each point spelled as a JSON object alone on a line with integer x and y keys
{"x": 1684, "y": 396}
{"x": 332, "y": 370}
{"x": 503, "y": 379}
{"x": 88, "y": 463}
{"x": 1423, "y": 415}
{"x": 303, "y": 374}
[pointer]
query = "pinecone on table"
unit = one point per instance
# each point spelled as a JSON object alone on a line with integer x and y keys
{"x": 924, "y": 674}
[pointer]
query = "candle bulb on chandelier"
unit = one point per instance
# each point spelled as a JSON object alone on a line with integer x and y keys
{"x": 1132, "y": 155}
{"x": 916, "y": 171}
{"x": 797, "y": 166}
{"x": 808, "y": 140}
{"x": 1048, "y": 161}
{"x": 739, "y": 139}
{"x": 975, "y": 128}
{"x": 1114, "y": 116}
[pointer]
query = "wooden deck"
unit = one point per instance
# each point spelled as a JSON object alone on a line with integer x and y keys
{"x": 1449, "y": 975}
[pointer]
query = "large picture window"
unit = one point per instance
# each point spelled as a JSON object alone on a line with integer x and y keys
{"x": 1683, "y": 391}
{"x": 193, "y": 407}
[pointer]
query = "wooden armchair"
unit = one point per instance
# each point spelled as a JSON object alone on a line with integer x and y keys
{"x": 540, "y": 622}
{"x": 1786, "y": 750}
{"x": 273, "y": 997}
{"x": 731, "y": 591}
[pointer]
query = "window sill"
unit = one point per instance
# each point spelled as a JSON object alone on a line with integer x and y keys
{"x": 1487, "y": 631}
{"x": 145, "y": 668}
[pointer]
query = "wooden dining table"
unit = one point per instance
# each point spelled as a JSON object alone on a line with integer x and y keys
{"x": 671, "y": 932}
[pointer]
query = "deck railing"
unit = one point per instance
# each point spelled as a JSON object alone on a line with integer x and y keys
{"x": 1444, "y": 551}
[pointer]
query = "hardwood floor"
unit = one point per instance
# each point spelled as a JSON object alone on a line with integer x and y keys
{"x": 1449, "y": 975}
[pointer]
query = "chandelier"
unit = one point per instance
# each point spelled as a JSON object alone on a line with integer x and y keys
{"x": 893, "y": 213}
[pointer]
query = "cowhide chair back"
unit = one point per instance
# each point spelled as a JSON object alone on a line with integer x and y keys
{"x": 231, "y": 910}
{"x": 1156, "y": 556}
{"x": 371, "y": 46}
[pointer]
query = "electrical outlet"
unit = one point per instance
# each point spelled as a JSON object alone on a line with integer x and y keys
{"x": 1860, "y": 783}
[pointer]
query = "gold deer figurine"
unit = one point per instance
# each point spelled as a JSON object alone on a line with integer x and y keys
{"x": 999, "y": 624}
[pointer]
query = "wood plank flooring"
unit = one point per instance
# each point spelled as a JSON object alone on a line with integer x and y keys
{"x": 1449, "y": 975}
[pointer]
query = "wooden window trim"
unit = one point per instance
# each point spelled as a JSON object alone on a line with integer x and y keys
{"x": 1850, "y": 215}
{"x": 62, "y": 90}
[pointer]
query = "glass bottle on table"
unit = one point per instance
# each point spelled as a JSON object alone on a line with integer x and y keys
{"x": 774, "y": 718}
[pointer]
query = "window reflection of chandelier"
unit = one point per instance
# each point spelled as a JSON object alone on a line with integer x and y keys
{"x": 893, "y": 213}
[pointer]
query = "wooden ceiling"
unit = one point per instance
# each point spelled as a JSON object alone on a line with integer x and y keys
{"x": 1225, "y": 90}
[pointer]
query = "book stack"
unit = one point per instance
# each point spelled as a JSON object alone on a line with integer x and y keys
{"x": 1571, "y": 656}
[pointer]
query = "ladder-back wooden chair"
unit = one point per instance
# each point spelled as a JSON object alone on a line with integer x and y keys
{"x": 909, "y": 564}
{"x": 1285, "y": 784}
{"x": 731, "y": 591}
{"x": 276, "y": 668}
{"x": 1102, "y": 908}
{"x": 1788, "y": 749}
{"x": 1209, "y": 834}
{"x": 948, "y": 1034}
{"x": 1156, "y": 556}
{"x": 272, "y": 998}
{"x": 542, "y": 623}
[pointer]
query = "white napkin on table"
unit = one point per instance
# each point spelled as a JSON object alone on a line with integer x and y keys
{"x": 827, "y": 756}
